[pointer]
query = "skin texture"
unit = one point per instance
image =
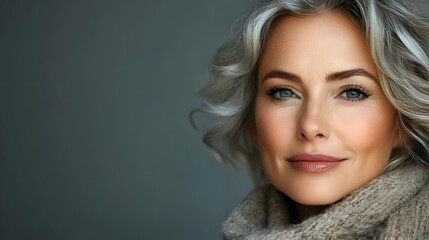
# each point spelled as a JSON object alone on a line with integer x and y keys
{"x": 314, "y": 115}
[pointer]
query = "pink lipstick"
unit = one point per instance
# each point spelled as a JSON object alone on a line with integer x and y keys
{"x": 313, "y": 163}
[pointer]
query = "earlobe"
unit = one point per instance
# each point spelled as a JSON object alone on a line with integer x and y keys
{"x": 254, "y": 137}
{"x": 401, "y": 136}
{"x": 398, "y": 142}
{"x": 401, "y": 139}
{"x": 251, "y": 129}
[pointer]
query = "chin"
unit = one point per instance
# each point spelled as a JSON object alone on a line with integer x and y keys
{"x": 317, "y": 196}
{"x": 315, "y": 201}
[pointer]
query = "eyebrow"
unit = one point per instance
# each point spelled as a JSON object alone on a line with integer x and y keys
{"x": 331, "y": 77}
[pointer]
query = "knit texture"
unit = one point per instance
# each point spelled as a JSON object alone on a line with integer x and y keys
{"x": 391, "y": 206}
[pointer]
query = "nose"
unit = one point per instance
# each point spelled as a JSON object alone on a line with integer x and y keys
{"x": 313, "y": 122}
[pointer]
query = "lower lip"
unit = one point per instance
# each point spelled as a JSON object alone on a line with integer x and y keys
{"x": 314, "y": 167}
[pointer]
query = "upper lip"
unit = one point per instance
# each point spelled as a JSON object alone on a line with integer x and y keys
{"x": 313, "y": 157}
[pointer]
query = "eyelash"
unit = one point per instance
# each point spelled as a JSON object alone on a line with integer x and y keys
{"x": 354, "y": 87}
{"x": 272, "y": 91}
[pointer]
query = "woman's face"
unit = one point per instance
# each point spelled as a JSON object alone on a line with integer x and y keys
{"x": 323, "y": 123}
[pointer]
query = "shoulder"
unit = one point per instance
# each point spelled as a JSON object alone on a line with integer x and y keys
{"x": 249, "y": 215}
{"x": 411, "y": 221}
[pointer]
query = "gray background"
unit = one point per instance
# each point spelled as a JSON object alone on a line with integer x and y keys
{"x": 95, "y": 139}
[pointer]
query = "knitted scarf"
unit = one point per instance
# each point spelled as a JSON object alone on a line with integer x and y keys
{"x": 394, "y": 205}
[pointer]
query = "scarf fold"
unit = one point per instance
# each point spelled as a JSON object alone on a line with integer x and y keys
{"x": 392, "y": 206}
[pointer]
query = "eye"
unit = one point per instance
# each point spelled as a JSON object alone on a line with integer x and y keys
{"x": 281, "y": 93}
{"x": 354, "y": 93}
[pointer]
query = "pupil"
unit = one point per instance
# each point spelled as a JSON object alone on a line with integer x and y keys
{"x": 352, "y": 94}
{"x": 285, "y": 93}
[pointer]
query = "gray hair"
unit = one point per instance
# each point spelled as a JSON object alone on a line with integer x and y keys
{"x": 399, "y": 42}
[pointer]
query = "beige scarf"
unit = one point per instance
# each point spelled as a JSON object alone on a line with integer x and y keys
{"x": 394, "y": 205}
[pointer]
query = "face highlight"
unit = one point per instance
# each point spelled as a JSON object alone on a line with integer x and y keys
{"x": 323, "y": 124}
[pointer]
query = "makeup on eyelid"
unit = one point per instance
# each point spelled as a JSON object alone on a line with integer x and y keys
{"x": 363, "y": 93}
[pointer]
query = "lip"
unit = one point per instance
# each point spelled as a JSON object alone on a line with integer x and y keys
{"x": 314, "y": 163}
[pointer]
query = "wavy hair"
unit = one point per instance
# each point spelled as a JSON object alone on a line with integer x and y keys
{"x": 399, "y": 43}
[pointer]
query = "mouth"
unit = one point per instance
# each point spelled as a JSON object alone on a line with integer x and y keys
{"x": 314, "y": 163}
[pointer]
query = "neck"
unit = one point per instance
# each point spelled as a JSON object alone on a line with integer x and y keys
{"x": 306, "y": 211}
{"x": 299, "y": 212}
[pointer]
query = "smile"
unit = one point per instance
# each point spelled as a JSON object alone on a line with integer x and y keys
{"x": 313, "y": 163}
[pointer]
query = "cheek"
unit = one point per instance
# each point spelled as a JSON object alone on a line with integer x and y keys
{"x": 273, "y": 127}
{"x": 369, "y": 132}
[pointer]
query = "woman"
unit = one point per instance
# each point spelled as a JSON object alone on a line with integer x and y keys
{"x": 329, "y": 101}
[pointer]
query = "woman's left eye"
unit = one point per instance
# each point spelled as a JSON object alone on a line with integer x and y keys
{"x": 354, "y": 94}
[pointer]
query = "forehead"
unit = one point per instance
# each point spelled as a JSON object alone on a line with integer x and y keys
{"x": 329, "y": 40}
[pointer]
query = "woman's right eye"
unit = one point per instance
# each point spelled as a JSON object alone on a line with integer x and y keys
{"x": 281, "y": 93}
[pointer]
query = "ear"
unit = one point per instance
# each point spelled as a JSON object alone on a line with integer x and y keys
{"x": 251, "y": 129}
{"x": 401, "y": 136}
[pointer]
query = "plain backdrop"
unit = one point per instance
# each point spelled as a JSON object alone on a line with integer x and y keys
{"x": 95, "y": 141}
{"x": 95, "y": 137}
